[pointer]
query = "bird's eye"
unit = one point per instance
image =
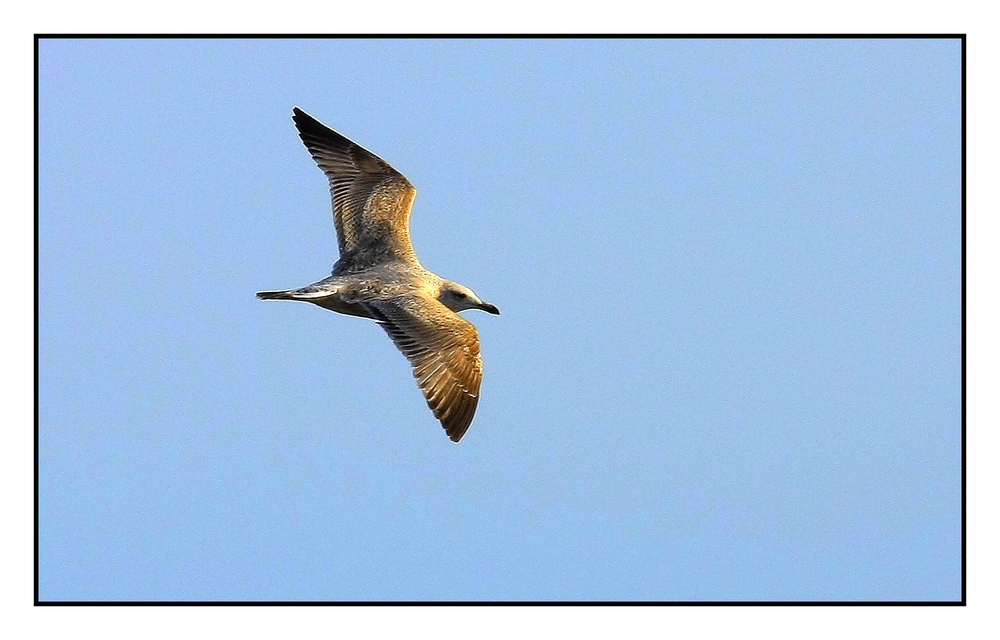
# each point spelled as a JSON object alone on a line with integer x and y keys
{"x": 459, "y": 294}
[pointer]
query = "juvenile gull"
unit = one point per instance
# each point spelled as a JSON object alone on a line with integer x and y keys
{"x": 378, "y": 276}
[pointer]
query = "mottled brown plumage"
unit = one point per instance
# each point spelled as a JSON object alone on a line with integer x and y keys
{"x": 371, "y": 200}
{"x": 378, "y": 276}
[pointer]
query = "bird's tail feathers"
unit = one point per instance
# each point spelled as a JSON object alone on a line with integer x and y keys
{"x": 308, "y": 294}
{"x": 276, "y": 295}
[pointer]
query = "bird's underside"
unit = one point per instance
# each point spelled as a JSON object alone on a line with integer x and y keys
{"x": 378, "y": 276}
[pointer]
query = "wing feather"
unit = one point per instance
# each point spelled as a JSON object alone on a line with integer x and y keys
{"x": 371, "y": 200}
{"x": 443, "y": 349}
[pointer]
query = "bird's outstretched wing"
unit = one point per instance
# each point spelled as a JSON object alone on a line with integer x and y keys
{"x": 443, "y": 348}
{"x": 371, "y": 200}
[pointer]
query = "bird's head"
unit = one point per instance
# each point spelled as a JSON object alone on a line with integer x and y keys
{"x": 459, "y": 298}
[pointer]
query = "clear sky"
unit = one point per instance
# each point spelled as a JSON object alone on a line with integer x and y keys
{"x": 728, "y": 365}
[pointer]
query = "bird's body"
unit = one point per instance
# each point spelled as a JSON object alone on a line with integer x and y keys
{"x": 378, "y": 276}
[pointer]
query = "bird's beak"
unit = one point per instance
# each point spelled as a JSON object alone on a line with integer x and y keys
{"x": 489, "y": 308}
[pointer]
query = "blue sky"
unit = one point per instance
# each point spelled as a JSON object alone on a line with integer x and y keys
{"x": 728, "y": 365}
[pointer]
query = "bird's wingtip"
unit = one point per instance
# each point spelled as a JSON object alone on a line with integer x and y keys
{"x": 456, "y": 431}
{"x": 300, "y": 115}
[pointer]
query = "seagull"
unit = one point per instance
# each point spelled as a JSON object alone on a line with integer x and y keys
{"x": 378, "y": 276}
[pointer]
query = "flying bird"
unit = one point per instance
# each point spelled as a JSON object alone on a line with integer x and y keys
{"x": 378, "y": 276}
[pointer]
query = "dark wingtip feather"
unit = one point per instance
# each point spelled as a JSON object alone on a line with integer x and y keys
{"x": 321, "y": 139}
{"x": 455, "y": 434}
{"x": 300, "y": 117}
{"x": 459, "y": 419}
{"x": 311, "y": 128}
